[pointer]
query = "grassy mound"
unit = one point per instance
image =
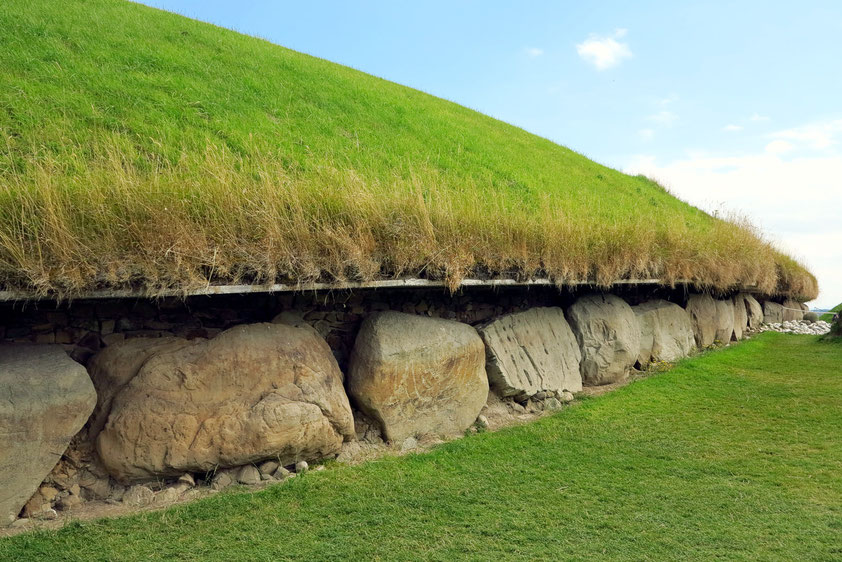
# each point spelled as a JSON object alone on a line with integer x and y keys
{"x": 143, "y": 149}
{"x": 731, "y": 455}
{"x": 827, "y": 317}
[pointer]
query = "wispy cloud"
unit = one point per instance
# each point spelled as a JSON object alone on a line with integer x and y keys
{"x": 664, "y": 117}
{"x": 756, "y": 117}
{"x": 815, "y": 136}
{"x": 731, "y": 128}
{"x": 604, "y": 52}
{"x": 668, "y": 100}
{"x": 646, "y": 134}
{"x": 534, "y": 51}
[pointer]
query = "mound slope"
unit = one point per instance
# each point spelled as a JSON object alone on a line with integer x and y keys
{"x": 141, "y": 149}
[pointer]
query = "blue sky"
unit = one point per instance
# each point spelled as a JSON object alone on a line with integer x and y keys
{"x": 734, "y": 106}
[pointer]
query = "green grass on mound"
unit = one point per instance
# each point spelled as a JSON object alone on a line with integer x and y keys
{"x": 139, "y": 148}
{"x": 731, "y": 455}
{"x": 829, "y": 316}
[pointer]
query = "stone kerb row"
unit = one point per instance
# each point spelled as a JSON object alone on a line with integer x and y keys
{"x": 169, "y": 407}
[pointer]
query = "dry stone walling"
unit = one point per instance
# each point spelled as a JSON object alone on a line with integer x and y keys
{"x": 249, "y": 402}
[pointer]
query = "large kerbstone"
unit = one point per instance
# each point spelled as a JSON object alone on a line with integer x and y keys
{"x": 418, "y": 375}
{"x": 608, "y": 335}
{"x": 665, "y": 331}
{"x": 792, "y": 310}
{"x": 113, "y": 367}
{"x": 703, "y": 318}
{"x": 254, "y": 392}
{"x": 724, "y": 321}
{"x": 773, "y": 313}
{"x": 740, "y": 317}
{"x": 754, "y": 312}
{"x": 532, "y": 351}
{"x": 45, "y": 398}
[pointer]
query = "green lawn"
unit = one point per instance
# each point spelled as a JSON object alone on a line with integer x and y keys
{"x": 142, "y": 149}
{"x": 734, "y": 454}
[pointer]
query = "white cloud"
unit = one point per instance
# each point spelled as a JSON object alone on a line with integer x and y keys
{"x": 646, "y": 134}
{"x": 604, "y": 51}
{"x": 758, "y": 118}
{"x": 534, "y": 51}
{"x": 796, "y": 200}
{"x": 816, "y": 136}
{"x": 778, "y": 147}
{"x": 664, "y": 117}
{"x": 731, "y": 128}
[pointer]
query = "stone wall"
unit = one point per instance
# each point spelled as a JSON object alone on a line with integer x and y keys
{"x": 268, "y": 381}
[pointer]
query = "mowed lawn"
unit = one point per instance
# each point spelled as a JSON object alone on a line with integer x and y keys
{"x": 734, "y": 454}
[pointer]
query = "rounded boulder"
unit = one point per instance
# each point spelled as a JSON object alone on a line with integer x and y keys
{"x": 254, "y": 392}
{"x": 418, "y": 375}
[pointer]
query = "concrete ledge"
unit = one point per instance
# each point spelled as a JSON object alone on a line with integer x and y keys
{"x": 408, "y": 283}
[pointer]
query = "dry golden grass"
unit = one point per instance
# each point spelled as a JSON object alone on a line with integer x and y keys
{"x": 101, "y": 223}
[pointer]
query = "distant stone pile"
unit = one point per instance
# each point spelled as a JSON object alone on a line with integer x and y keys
{"x": 818, "y": 328}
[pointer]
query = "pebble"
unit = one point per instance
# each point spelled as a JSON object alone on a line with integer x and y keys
{"x": 552, "y": 403}
{"x": 47, "y": 515}
{"x": 249, "y": 475}
{"x": 301, "y": 466}
{"x": 187, "y": 478}
{"x": 221, "y": 480}
{"x": 267, "y": 468}
{"x": 281, "y": 473}
{"x": 138, "y": 496}
{"x": 167, "y": 495}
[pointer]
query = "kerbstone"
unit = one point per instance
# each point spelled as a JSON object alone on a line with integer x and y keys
{"x": 665, "y": 331}
{"x": 253, "y": 392}
{"x": 792, "y": 311}
{"x": 532, "y": 351}
{"x": 608, "y": 335}
{"x": 740, "y": 317}
{"x": 773, "y": 313}
{"x": 703, "y": 317}
{"x": 754, "y": 311}
{"x": 724, "y": 320}
{"x": 45, "y": 398}
{"x": 418, "y": 375}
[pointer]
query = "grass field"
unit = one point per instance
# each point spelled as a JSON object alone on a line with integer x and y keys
{"x": 141, "y": 149}
{"x": 731, "y": 455}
